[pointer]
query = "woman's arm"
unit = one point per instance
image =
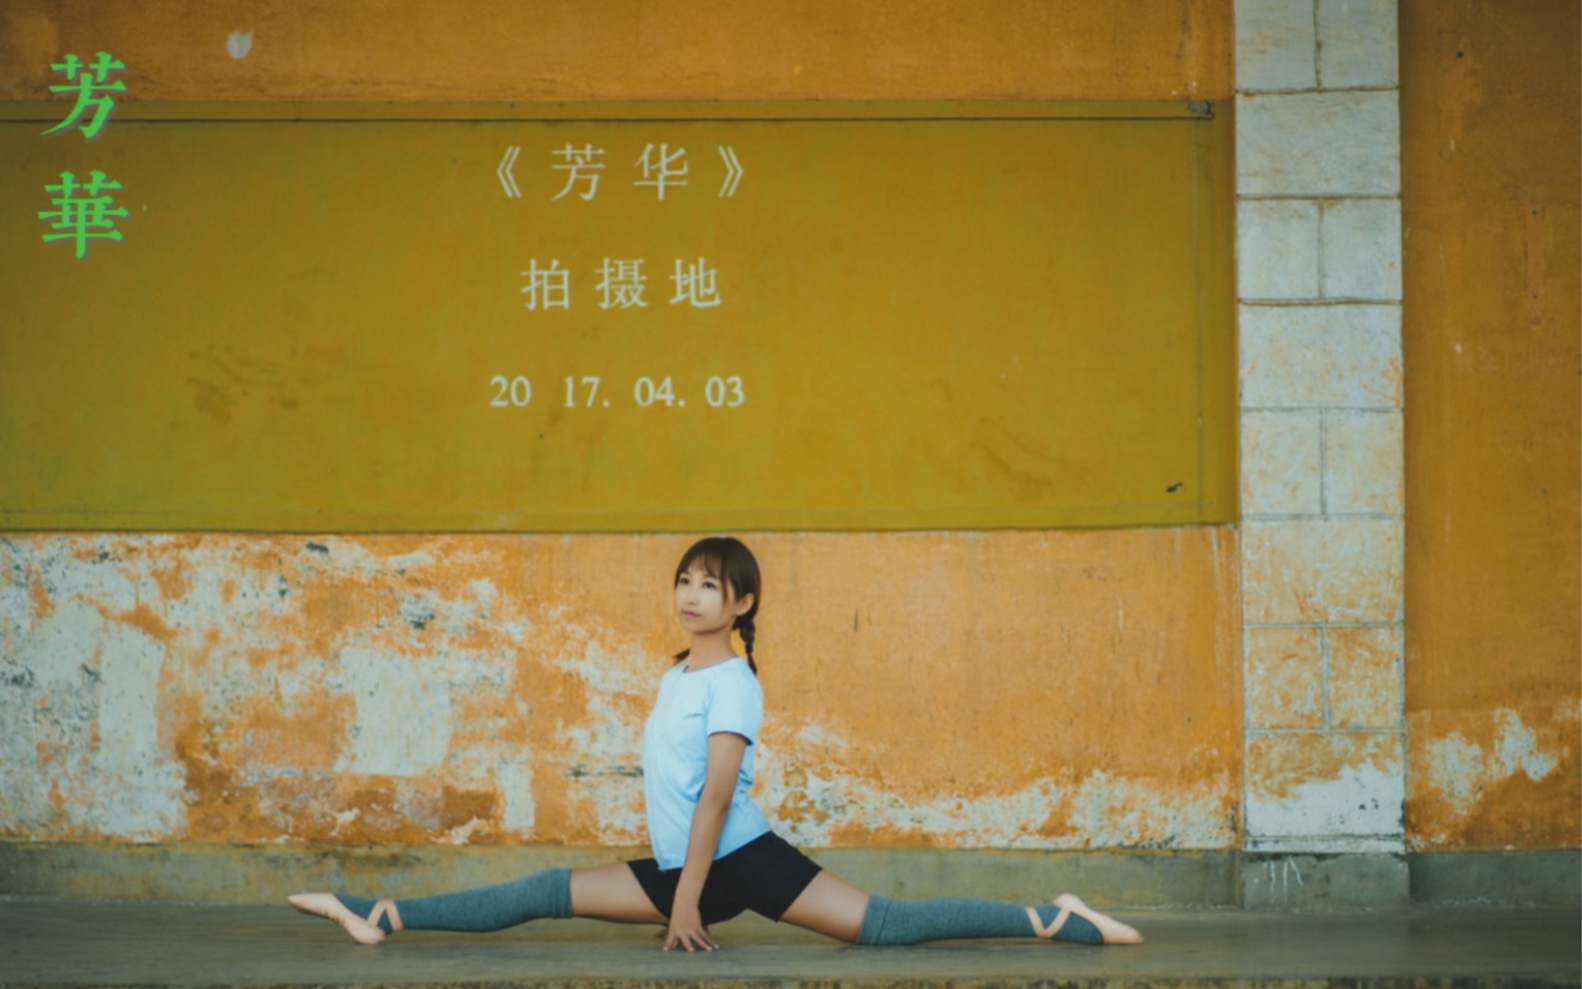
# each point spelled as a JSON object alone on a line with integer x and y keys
{"x": 726, "y": 751}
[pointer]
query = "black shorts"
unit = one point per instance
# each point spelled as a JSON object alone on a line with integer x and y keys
{"x": 766, "y": 875}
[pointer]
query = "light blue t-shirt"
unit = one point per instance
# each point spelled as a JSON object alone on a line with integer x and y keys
{"x": 692, "y": 705}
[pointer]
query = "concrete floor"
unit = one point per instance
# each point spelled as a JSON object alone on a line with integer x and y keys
{"x": 46, "y": 941}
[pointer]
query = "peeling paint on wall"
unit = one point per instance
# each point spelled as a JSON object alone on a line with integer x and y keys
{"x": 1347, "y": 788}
{"x": 477, "y": 689}
{"x": 1477, "y": 770}
{"x": 1458, "y": 767}
{"x": 816, "y": 807}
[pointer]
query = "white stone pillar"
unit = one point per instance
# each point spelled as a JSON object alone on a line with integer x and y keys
{"x": 1318, "y": 183}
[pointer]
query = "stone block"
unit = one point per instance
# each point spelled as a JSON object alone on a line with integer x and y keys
{"x": 1361, "y": 244}
{"x": 1322, "y": 570}
{"x": 1364, "y": 463}
{"x": 1327, "y": 785}
{"x": 1356, "y": 44}
{"x": 1280, "y": 456}
{"x": 1324, "y": 882}
{"x": 1340, "y": 356}
{"x": 1318, "y": 144}
{"x": 1276, "y": 44}
{"x": 1277, "y": 249}
{"x": 1285, "y": 677}
{"x": 1366, "y": 687}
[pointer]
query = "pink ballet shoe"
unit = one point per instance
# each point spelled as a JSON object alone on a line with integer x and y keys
{"x": 1113, "y": 931}
{"x": 362, "y": 931}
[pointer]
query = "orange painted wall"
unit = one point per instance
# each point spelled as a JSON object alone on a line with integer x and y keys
{"x": 1007, "y": 689}
{"x": 1491, "y": 174}
{"x": 1060, "y": 690}
{"x": 631, "y": 49}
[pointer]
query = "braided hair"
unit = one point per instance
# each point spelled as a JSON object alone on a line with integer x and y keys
{"x": 744, "y": 625}
{"x": 732, "y": 563}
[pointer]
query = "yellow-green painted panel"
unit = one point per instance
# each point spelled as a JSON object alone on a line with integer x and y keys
{"x": 958, "y": 316}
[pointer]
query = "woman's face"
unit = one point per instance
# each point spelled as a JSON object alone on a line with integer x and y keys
{"x": 703, "y": 602}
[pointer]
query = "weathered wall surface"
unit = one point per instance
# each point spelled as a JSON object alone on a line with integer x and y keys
{"x": 1490, "y": 118}
{"x": 947, "y": 689}
{"x": 1014, "y": 689}
{"x": 923, "y": 690}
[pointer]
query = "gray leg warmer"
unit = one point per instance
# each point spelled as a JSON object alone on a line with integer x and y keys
{"x": 903, "y": 922}
{"x": 488, "y": 908}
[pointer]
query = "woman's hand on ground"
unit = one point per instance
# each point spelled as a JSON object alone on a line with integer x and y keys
{"x": 686, "y": 930}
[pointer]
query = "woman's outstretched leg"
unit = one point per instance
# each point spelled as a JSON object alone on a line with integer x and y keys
{"x": 611, "y": 892}
{"x": 487, "y": 908}
{"x": 833, "y": 907}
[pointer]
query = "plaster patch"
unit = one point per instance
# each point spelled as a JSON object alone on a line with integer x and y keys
{"x": 1516, "y": 747}
{"x": 403, "y": 724}
{"x": 1455, "y": 766}
{"x": 607, "y": 736}
{"x": 58, "y": 649}
{"x": 83, "y": 747}
{"x": 344, "y": 818}
{"x": 139, "y": 789}
{"x": 1365, "y": 798}
{"x": 414, "y": 560}
{"x": 515, "y": 781}
{"x": 1128, "y": 813}
{"x": 605, "y": 671}
{"x": 1461, "y": 770}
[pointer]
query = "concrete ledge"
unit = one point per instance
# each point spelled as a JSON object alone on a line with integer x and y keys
{"x": 215, "y": 873}
{"x": 1116, "y": 878}
{"x": 1324, "y": 882}
{"x": 1537, "y": 878}
{"x": 226, "y": 873}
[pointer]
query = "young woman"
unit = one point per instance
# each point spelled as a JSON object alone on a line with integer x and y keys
{"x": 715, "y": 854}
